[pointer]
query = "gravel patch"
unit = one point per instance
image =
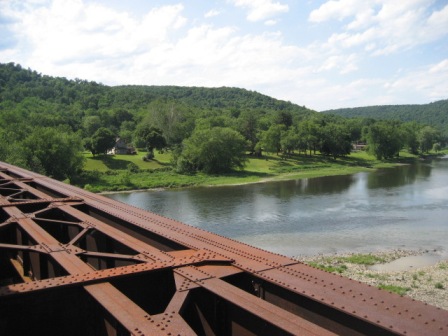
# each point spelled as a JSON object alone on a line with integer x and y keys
{"x": 427, "y": 283}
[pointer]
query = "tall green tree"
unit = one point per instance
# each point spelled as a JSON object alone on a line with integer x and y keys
{"x": 336, "y": 140}
{"x": 54, "y": 152}
{"x": 90, "y": 124}
{"x": 409, "y": 132}
{"x": 173, "y": 119}
{"x": 152, "y": 138}
{"x": 427, "y": 136}
{"x": 271, "y": 138}
{"x": 118, "y": 116}
{"x": 310, "y": 135}
{"x": 284, "y": 118}
{"x": 289, "y": 141}
{"x": 215, "y": 150}
{"x": 437, "y": 147}
{"x": 383, "y": 139}
{"x": 102, "y": 141}
{"x": 248, "y": 126}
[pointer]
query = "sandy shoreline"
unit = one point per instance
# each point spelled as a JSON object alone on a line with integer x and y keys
{"x": 424, "y": 283}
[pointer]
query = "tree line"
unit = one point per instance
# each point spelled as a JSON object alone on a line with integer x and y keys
{"x": 434, "y": 114}
{"x": 46, "y": 123}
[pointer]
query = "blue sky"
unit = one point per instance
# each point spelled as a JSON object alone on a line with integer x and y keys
{"x": 317, "y": 53}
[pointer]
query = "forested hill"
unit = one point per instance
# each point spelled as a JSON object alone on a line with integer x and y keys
{"x": 46, "y": 123}
{"x": 434, "y": 114}
{"x": 223, "y": 97}
{"x": 17, "y": 84}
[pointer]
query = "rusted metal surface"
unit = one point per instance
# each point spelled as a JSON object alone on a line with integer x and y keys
{"x": 76, "y": 263}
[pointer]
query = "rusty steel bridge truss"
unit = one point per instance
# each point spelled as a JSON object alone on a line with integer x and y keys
{"x": 77, "y": 263}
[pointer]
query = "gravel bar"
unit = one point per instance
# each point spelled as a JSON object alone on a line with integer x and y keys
{"x": 424, "y": 283}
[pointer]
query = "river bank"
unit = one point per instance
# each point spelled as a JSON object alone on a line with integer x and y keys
{"x": 201, "y": 180}
{"x": 100, "y": 179}
{"x": 427, "y": 282}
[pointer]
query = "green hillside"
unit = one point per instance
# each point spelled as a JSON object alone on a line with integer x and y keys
{"x": 44, "y": 117}
{"x": 18, "y": 84}
{"x": 181, "y": 135}
{"x": 434, "y": 114}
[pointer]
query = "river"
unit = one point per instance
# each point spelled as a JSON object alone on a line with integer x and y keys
{"x": 403, "y": 207}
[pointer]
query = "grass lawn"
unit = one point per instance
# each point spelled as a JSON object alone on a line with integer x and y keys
{"x": 112, "y": 172}
{"x": 103, "y": 163}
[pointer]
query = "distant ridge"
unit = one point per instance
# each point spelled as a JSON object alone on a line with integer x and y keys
{"x": 18, "y": 83}
{"x": 215, "y": 97}
{"x": 433, "y": 114}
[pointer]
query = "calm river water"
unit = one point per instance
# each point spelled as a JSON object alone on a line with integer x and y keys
{"x": 403, "y": 207}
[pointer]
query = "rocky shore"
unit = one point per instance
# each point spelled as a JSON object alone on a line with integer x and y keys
{"x": 427, "y": 283}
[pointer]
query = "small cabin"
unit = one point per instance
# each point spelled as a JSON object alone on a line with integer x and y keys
{"x": 359, "y": 146}
{"x": 121, "y": 147}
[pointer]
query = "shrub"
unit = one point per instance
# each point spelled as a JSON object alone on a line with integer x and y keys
{"x": 329, "y": 268}
{"x": 439, "y": 285}
{"x": 363, "y": 259}
{"x": 132, "y": 168}
{"x": 395, "y": 289}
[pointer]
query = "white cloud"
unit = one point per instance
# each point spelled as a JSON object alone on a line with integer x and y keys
{"x": 425, "y": 84}
{"x": 429, "y": 81}
{"x": 337, "y": 9}
{"x": 439, "y": 18}
{"x": 270, "y": 22}
{"x": 82, "y": 39}
{"x": 221, "y": 57}
{"x": 381, "y": 26}
{"x": 441, "y": 67}
{"x": 343, "y": 63}
{"x": 212, "y": 13}
{"x": 437, "y": 24}
{"x": 77, "y": 39}
{"x": 67, "y": 33}
{"x": 259, "y": 10}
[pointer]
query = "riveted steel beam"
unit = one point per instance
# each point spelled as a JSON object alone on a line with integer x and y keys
{"x": 120, "y": 270}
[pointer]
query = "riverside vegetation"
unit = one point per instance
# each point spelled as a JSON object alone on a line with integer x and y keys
{"x": 189, "y": 135}
{"x": 125, "y": 172}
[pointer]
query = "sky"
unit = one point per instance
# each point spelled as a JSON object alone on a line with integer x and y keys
{"x": 317, "y": 53}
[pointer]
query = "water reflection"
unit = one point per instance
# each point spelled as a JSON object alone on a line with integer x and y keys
{"x": 309, "y": 186}
{"x": 320, "y": 215}
{"x": 398, "y": 176}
